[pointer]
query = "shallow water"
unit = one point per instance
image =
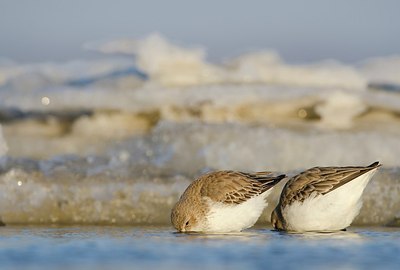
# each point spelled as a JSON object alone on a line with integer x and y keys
{"x": 103, "y": 247}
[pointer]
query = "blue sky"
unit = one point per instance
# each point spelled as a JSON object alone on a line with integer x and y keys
{"x": 301, "y": 31}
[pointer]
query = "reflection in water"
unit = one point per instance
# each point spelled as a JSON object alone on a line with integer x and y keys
{"x": 346, "y": 235}
{"x": 255, "y": 235}
{"x": 245, "y": 236}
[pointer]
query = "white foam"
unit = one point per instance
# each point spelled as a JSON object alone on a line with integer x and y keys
{"x": 182, "y": 77}
{"x": 339, "y": 109}
{"x": 267, "y": 67}
{"x": 150, "y": 98}
{"x": 165, "y": 63}
{"x": 172, "y": 65}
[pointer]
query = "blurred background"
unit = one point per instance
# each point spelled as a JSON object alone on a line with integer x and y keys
{"x": 301, "y": 31}
{"x": 108, "y": 109}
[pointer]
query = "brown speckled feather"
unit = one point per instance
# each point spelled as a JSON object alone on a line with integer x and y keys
{"x": 320, "y": 180}
{"x": 232, "y": 187}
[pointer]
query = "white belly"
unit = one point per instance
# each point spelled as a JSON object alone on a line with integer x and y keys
{"x": 234, "y": 218}
{"x": 333, "y": 211}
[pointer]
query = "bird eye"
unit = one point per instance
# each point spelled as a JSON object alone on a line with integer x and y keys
{"x": 187, "y": 223}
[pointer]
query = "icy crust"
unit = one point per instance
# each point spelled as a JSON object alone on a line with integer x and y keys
{"x": 94, "y": 191}
{"x": 191, "y": 147}
{"x": 233, "y": 103}
{"x": 382, "y": 202}
{"x": 137, "y": 180}
{"x": 90, "y": 202}
{"x": 3, "y": 144}
{"x": 91, "y": 194}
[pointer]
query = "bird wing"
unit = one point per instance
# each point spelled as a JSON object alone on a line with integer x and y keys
{"x": 233, "y": 187}
{"x": 320, "y": 180}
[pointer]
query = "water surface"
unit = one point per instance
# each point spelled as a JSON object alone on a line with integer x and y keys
{"x": 104, "y": 247}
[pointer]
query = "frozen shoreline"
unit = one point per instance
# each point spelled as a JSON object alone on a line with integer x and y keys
{"x": 115, "y": 140}
{"x": 82, "y": 191}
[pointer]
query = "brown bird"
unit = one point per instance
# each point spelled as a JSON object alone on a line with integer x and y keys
{"x": 223, "y": 201}
{"x": 322, "y": 198}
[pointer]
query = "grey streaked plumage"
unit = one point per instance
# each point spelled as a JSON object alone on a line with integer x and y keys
{"x": 317, "y": 181}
